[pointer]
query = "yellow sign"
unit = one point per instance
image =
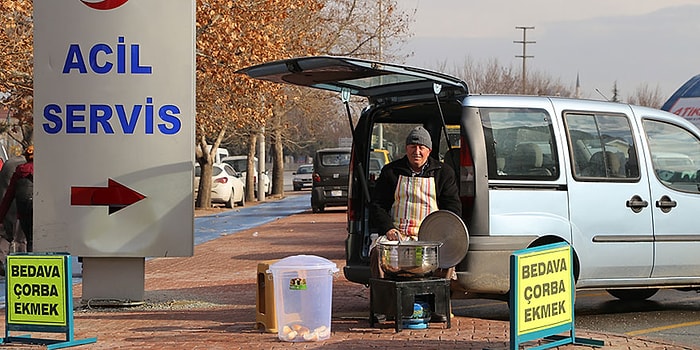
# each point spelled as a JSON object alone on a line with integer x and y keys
{"x": 36, "y": 290}
{"x": 544, "y": 283}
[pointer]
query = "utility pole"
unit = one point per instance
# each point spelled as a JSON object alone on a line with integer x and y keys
{"x": 524, "y": 56}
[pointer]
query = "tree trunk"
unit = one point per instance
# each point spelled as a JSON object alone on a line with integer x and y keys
{"x": 206, "y": 162}
{"x": 277, "y": 150}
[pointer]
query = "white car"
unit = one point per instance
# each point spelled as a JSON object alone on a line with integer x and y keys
{"x": 302, "y": 177}
{"x": 240, "y": 164}
{"x": 226, "y": 185}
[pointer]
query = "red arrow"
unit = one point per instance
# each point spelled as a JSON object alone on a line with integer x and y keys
{"x": 115, "y": 195}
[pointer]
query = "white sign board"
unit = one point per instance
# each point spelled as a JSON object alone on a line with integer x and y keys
{"x": 688, "y": 108}
{"x": 114, "y": 115}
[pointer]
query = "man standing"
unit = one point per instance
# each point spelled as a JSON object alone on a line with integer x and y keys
{"x": 407, "y": 190}
{"x": 8, "y": 235}
{"x": 21, "y": 191}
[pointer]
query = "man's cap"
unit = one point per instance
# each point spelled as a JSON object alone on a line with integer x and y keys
{"x": 419, "y": 136}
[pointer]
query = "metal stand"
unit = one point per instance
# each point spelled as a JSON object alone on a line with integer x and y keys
{"x": 397, "y": 297}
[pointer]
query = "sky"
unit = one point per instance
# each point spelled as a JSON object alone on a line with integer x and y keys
{"x": 629, "y": 42}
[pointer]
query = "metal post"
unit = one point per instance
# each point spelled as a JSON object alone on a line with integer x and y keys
{"x": 261, "y": 165}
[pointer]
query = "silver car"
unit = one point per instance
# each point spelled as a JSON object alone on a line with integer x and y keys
{"x": 303, "y": 177}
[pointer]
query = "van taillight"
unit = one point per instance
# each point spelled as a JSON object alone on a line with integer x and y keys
{"x": 351, "y": 212}
{"x": 221, "y": 180}
{"x": 317, "y": 177}
{"x": 467, "y": 184}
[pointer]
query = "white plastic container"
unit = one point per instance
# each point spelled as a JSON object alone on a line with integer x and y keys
{"x": 303, "y": 292}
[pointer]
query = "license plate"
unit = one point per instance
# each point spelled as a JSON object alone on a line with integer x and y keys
{"x": 336, "y": 193}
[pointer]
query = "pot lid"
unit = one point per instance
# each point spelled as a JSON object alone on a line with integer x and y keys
{"x": 446, "y": 227}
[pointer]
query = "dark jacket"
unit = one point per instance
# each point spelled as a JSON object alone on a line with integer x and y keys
{"x": 20, "y": 189}
{"x": 9, "y": 220}
{"x": 383, "y": 194}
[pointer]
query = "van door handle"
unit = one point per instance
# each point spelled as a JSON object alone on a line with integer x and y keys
{"x": 636, "y": 203}
{"x": 666, "y": 204}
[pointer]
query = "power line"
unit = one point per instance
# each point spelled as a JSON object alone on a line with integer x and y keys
{"x": 524, "y": 56}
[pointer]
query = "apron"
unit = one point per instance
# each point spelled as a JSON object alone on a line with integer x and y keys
{"x": 414, "y": 198}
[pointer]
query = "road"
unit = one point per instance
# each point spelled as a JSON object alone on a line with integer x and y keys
{"x": 669, "y": 315}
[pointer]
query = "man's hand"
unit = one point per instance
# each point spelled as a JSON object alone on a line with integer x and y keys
{"x": 392, "y": 234}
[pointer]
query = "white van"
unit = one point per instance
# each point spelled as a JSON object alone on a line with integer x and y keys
{"x": 221, "y": 153}
{"x": 240, "y": 164}
{"x": 532, "y": 170}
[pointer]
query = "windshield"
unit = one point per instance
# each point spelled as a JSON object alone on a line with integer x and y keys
{"x": 305, "y": 170}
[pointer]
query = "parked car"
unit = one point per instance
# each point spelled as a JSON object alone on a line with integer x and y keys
{"x": 303, "y": 177}
{"x": 383, "y": 156}
{"x": 226, "y": 185}
{"x": 330, "y": 178}
{"x": 240, "y": 163}
{"x": 375, "y": 168}
{"x": 532, "y": 170}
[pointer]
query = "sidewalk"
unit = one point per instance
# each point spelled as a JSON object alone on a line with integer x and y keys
{"x": 208, "y": 301}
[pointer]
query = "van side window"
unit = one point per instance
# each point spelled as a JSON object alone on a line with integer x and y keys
{"x": 675, "y": 155}
{"x": 602, "y": 147}
{"x": 520, "y": 144}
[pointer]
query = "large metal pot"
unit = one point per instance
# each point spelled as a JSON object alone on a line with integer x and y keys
{"x": 409, "y": 259}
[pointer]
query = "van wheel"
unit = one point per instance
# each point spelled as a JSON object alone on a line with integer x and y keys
{"x": 317, "y": 209}
{"x": 633, "y": 294}
{"x": 241, "y": 203}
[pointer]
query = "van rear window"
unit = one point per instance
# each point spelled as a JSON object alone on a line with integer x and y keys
{"x": 335, "y": 159}
{"x": 520, "y": 144}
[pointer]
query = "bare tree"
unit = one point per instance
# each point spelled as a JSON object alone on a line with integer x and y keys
{"x": 491, "y": 77}
{"x": 358, "y": 28}
{"x": 230, "y": 36}
{"x": 644, "y": 95}
{"x": 16, "y": 69}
